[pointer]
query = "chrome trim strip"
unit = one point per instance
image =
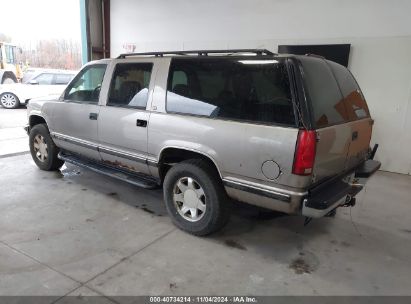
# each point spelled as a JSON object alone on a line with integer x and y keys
{"x": 74, "y": 140}
{"x": 119, "y": 153}
{"x": 123, "y": 154}
{"x": 152, "y": 162}
{"x": 257, "y": 190}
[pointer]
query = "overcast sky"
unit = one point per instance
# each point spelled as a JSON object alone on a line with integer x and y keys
{"x": 31, "y": 20}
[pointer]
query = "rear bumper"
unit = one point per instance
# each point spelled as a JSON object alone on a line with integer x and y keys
{"x": 367, "y": 169}
{"x": 330, "y": 195}
{"x": 338, "y": 194}
{"x": 315, "y": 202}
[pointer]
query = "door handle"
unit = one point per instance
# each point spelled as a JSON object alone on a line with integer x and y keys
{"x": 354, "y": 135}
{"x": 141, "y": 123}
{"x": 93, "y": 116}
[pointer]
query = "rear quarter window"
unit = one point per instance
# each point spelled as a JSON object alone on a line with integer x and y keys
{"x": 231, "y": 88}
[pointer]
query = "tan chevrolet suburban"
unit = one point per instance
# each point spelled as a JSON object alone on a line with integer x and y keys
{"x": 284, "y": 132}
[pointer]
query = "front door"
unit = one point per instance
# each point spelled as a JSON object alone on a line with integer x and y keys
{"x": 75, "y": 118}
{"x": 124, "y": 120}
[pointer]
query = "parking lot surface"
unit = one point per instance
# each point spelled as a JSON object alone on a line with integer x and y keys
{"x": 13, "y": 138}
{"x": 76, "y": 232}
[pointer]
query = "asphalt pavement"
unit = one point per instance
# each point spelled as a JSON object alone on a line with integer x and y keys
{"x": 13, "y": 138}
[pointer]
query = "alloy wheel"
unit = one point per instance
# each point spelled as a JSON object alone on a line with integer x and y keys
{"x": 189, "y": 199}
{"x": 40, "y": 148}
{"x": 8, "y": 100}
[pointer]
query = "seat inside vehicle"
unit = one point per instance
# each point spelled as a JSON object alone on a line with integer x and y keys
{"x": 128, "y": 89}
{"x": 182, "y": 89}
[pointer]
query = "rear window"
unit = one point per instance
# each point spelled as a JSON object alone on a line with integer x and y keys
{"x": 239, "y": 89}
{"x": 333, "y": 93}
{"x": 354, "y": 101}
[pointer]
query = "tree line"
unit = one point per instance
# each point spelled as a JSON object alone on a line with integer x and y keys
{"x": 51, "y": 53}
{"x": 47, "y": 53}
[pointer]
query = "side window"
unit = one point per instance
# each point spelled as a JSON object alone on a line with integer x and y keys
{"x": 86, "y": 85}
{"x": 246, "y": 90}
{"x": 354, "y": 101}
{"x": 44, "y": 79}
{"x": 10, "y": 54}
{"x": 179, "y": 78}
{"x": 62, "y": 79}
{"x": 323, "y": 92}
{"x": 129, "y": 85}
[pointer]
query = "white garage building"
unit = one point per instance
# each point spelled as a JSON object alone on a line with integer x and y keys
{"x": 380, "y": 38}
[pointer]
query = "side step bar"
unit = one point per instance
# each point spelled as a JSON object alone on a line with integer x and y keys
{"x": 136, "y": 179}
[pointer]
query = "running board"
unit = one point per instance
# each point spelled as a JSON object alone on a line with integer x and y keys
{"x": 136, "y": 179}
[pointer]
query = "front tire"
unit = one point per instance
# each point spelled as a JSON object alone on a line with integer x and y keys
{"x": 43, "y": 150}
{"x": 195, "y": 197}
{"x": 9, "y": 100}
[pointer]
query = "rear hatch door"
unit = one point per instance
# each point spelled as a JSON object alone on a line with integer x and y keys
{"x": 339, "y": 114}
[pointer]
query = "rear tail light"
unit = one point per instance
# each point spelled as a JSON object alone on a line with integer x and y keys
{"x": 304, "y": 153}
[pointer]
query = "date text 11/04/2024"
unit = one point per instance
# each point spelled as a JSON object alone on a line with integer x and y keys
{"x": 203, "y": 299}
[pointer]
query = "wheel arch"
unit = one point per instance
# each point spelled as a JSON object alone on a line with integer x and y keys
{"x": 36, "y": 119}
{"x": 7, "y": 74}
{"x": 172, "y": 155}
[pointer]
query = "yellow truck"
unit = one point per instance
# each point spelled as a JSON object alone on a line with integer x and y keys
{"x": 10, "y": 70}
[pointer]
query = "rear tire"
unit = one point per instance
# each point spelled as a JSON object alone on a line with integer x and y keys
{"x": 195, "y": 197}
{"x": 9, "y": 100}
{"x": 43, "y": 150}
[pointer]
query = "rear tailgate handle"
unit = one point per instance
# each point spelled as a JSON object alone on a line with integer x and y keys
{"x": 354, "y": 135}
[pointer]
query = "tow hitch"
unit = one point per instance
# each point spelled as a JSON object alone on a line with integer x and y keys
{"x": 350, "y": 202}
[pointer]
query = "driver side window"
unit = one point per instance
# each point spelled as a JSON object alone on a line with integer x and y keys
{"x": 86, "y": 86}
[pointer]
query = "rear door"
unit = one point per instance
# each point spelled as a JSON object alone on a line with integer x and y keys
{"x": 340, "y": 116}
{"x": 123, "y": 121}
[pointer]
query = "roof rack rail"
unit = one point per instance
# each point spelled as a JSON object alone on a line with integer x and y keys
{"x": 199, "y": 52}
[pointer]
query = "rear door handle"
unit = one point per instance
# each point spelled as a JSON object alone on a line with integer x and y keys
{"x": 93, "y": 116}
{"x": 354, "y": 135}
{"x": 141, "y": 123}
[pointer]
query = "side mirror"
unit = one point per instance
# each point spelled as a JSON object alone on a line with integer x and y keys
{"x": 33, "y": 81}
